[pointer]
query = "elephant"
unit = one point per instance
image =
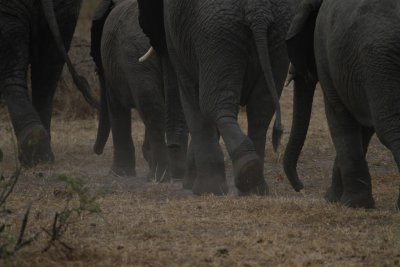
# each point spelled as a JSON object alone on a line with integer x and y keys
{"x": 226, "y": 53}
{"x": 117, "y": 44}
{"x": 35, "y": 34}
{"x": 352, "y": 48}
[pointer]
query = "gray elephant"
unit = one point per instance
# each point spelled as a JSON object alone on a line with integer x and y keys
{"x": 226, "y": 53}
{"x": 30, "y": 35}
{"x": 352, "y": 48}
{"x": 117, "y": 44}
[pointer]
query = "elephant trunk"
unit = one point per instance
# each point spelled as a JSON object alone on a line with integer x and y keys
{"x": 103, "y": 130}
{"x": 302, "y": 106}
{"x": 176, "y": 128}
{"x": 80, "y": 82}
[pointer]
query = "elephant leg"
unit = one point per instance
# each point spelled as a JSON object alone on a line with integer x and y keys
{"x": 33, "y": 139}
{"x": 220, "y": 91}
{"x": 176, "y": 160}
{"x": 124, "y": 150}
{"x": 260, "y": 106}
{"x": 207, "y": 154}
{"x": 190, "y": 173}
{"x": 146, "y": 148}
{"x": 150, "y": 107}
{"x": 47, "y": 61}
{"x": 347, "y": 136}
{"x": 335, "y": 191}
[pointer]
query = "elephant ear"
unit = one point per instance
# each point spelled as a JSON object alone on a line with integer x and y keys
{"x": 300, "y": 37}
{"x": 151, "y": 20}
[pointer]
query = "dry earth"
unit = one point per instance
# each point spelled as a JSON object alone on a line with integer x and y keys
{"x": 148, "y": 224}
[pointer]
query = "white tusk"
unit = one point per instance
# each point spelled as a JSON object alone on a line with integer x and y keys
{"x": 149, "y": 54}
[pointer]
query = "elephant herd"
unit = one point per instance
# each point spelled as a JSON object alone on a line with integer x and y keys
{"x": 187, "y": 66}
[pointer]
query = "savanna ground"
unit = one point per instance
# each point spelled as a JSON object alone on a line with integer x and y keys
{"x": 149, "y": 224}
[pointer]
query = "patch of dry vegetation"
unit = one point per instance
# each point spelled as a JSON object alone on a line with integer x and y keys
{"x": 146, "y": 224}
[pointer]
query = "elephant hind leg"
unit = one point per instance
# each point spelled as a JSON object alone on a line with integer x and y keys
{"x": 47, "y": 62}
{"x": 15, "y": 42}
{"x": 347, "y": 135}
{"x": 205, "y": 173}
{"x": 335, "y": 191}
{"x": 220, "y": 91}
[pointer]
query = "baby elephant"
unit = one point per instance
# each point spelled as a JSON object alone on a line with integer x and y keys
{"x": 353, "y": 48}
{"x": 117, "y": 45}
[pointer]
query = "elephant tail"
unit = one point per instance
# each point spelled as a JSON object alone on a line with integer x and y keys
{"x": 99, "y": 19}
{"x": 261, "y": 41}
{"x": 103, "y": 131}
{"x": 80, "y": 82}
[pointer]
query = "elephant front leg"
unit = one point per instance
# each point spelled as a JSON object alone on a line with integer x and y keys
{"x": 190, "y": 172}
{"x": 124, "y": 150}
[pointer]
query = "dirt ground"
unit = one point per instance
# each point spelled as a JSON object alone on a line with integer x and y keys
{"x": 149, "y": 224}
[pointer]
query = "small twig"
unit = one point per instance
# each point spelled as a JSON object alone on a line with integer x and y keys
{"x": 8, "y": 190}
{"x": 23, "y": 227}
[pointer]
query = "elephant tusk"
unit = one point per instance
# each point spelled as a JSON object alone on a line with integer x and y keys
{"x": 149, "y": 54}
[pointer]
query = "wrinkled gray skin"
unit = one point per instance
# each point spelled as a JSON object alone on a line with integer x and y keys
{"x": 228, "y": 53}
{"x": 26, "y": 39}
{"x": 130, "y": 84}
{"x": 356, "y": 46}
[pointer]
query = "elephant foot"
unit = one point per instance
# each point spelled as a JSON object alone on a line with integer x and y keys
{"x": 249, "y": 178}
{"x": 34, "y": 147}
{"x": 188, "y": 182}
{"x": 177, "y": 163}
{"x": 333, "y": 195}
{"x": 215, "y": 186}
{"x": 359, "y": 200}
{"x": 123, "y": 169}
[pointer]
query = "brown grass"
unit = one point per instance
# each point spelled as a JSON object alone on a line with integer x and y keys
{"x": 145, "y": 224}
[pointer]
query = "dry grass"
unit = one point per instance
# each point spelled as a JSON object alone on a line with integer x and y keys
{"x": 146, "y": 224}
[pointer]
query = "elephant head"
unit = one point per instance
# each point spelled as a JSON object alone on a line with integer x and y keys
{"x": 300, "y": 45}
{"x": 151, "y": 20}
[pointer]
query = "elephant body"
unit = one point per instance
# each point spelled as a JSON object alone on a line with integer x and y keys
{"x": 226, "y": 54}
{"x": 36, "y": 34}
{"x": 352, "y": 48}
{"x": 129, "y": 84}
